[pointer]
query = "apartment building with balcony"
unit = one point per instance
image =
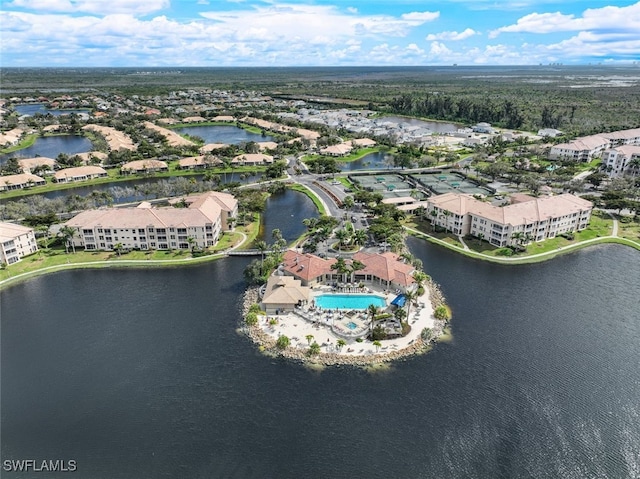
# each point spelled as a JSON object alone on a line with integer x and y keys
{"x": 16, "y": 241}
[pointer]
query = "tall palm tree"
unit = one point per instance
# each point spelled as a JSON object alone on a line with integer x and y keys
{"x": 343, "y": 237}
{"x": 356, "y": 266}
{"x": 341, "y": 343}
{"x": 67, "y": 233}
{"x": 409, "y": 297}
{"x": 309, "y": 337}
{"x": 262, "y": 247}
{"x": 341, "y": 267}
{"x": 359, "y": 237}
{"x": 373, "y": 311}
{"x": 118, "y": 248}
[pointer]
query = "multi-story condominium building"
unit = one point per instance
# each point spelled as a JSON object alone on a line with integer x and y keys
{"x": 589, "y": 147}
{"x": 622, "y": 160}
{"x": 581, "y": 149}
{"x": 536, "y": 218}
{"x": 15, "y": 242}
{"x": 199, "y": 224}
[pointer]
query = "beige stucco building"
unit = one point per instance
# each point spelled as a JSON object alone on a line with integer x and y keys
{"x": 16, "y": 241}
{"x": 199, "y": 224}
{"x": 540, "y": 218}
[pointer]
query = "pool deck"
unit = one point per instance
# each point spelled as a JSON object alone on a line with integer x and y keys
{"x": 296, "y": 328}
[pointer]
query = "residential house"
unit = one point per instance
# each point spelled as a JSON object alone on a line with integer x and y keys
{"x": 30, "y": 164}
{"x": 252, "y": 159}
{"x": 80, "y": 173}
{"x": 198, "y": 162}
{"x": 144, "y": 166}
{"x": 283, "y": 294}
{"x": 580, "y": 150}
{"x": 20, "y": 181}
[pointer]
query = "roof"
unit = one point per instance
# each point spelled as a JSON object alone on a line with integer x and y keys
{"x": 306, "y": 266}
{"x": 363, "y": 142}
{"x": 203, "y": 209}
{"x": 29, "y": 163}
{"x": 79, "y": 171}
{"x": 21, "y": 179}
{"x": 340, "y": 149}
{"x": 536, "y": 209}
{"x": 212, "y": 146}
{"x": 253, "y": 158}
{"x": 285, "y": 290}
{"x": 144, "y": 165}
{"x": 386, "y": 266}
{"x": 197, "y": 160}
{"x": 9, "y": 231}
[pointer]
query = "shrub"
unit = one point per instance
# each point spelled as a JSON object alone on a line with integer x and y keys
{"x": 504, "y": 252}
{"x": 442, "y": 313}
{"x": 251, "y": 319}
{"x": 282, "y": 342}
{"x": 254, "y": 308}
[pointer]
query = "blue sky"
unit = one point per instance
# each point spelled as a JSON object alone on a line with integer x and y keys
{"x": 317, "y": 32}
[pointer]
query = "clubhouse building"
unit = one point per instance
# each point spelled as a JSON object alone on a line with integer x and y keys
{"x": 199, "y": 224}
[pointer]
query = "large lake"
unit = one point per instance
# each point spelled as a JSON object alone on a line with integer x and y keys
{"x": 141, "y": 373}
{"x": 51, "y": 147}
{"x": 230, "y": 135}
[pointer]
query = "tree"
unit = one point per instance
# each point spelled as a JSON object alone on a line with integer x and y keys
{"x": 441, "y": 313}
{"x": 348, "y": 202}
{"x": 377, "y": 344}
{"x": 309, "y": 338}
{"x": 343, "y": 237}
{"x": 356, "y": 266}
{"x": 251, "y": 319}
{"x": 67, "y": 233}
{"x": 118, "y": 247}
{"x": 373, "y": 311}
{"x": 340, "y": 266}
{"x": 409, "y": 297}
{"x": 341, "y": 343}
{"x": 282, "y": 342}
{"x": 262, "y": 247}
{"x": 314, "y": 349}
{"x": 359, "y": 237}
{"x": 191, "y": 240}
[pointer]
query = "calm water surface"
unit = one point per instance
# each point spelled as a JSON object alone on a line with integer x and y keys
{"x": 32, "y": 109}
{"x": 141, "y": 373}
{"x": 51, "y": 147}
{"x": 230, "y": 135}
{"x": 373, "y": 161}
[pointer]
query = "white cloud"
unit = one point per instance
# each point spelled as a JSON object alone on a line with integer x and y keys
{"x": 607, "y": 18}
{"x": 420, "y": 17}
{"x": 454, "y": 36}
{"x": 100, "y": 7}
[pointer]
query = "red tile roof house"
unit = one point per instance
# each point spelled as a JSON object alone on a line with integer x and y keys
{"x": 384, "y": 269}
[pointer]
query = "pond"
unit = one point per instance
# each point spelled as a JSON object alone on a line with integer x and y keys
{"x": 434, "y": 126}
{"x": 33, "y": 108}
{"x": 373, "y": 161}
{"x": 230, "y": 135}
{"x": 51, "y": 147}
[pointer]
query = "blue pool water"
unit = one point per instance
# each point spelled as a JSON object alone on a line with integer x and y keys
{"x": 352, "y": 325}
{"x": 349, "y": 301}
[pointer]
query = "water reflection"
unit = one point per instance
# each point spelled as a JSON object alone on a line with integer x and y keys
{"x": 230, "y": 135}
{"x": 51, "y": 147}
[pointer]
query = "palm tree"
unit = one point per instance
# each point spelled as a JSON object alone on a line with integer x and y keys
{"x": 191, "y": 240}
{"x": 343, "y": 236}
{"x": 67, "y": 233}
{"x": 356, "y": 266}
{"x": 377, "y": 344}
{"x": 518, "y": 237}
{"x": 309, "y": 337}
{"x": 341, "y": 343}
{"x": 373, "y": 311}
{"x": 359, "y": 237}
{"x": 118, "y": 248}
{"x": 434, "y": 215}
{"x": 262, "y": 247}
{"x": 282, "y": 342}
{"x": 340, "y": 266}
{"x": 310, "y": 223}
{"x": 314, "y": 349}
{"x": 409, "y": 297}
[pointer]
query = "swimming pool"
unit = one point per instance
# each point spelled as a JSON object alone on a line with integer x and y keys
{"x": 349, "y": 301}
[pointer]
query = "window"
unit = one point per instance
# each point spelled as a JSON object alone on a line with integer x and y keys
{"x": 101, "y": 237}
{"x": 107, "y": 231}
{"x": 99, "y": 230}
{"x": 183, "y": 245}
{"x": 141, "y": 231}
{"x": 182, "y": 231}
{"x": 91, "y": 246}
{"x": 87, "y": 232}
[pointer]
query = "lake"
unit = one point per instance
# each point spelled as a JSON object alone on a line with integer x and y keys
{"x": 373, "y": 161}
{"x": 230, "y": 135}
{"x": 34, "y": 108}
{"x": 51, "y": 147}
{"x": 434, "y": 126}
{"x": 141, "y": 373}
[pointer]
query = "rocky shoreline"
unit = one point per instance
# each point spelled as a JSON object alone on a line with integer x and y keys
{"x": 267, "y": 343}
